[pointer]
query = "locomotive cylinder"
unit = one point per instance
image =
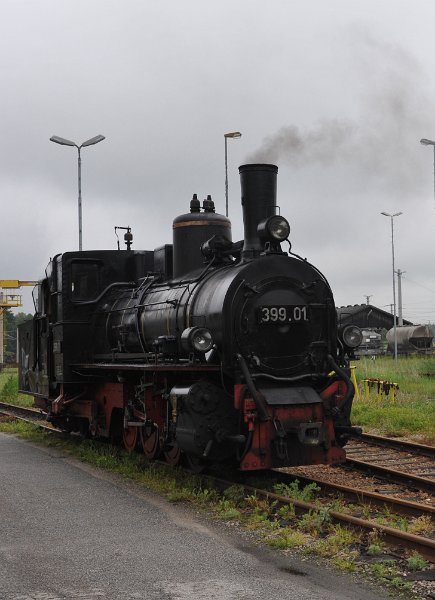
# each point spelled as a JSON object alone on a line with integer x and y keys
{"x": 191, "y": 230}
{"x": 258, "y": 183}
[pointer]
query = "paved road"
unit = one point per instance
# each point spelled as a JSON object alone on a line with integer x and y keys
{"x": 69, "y": 531}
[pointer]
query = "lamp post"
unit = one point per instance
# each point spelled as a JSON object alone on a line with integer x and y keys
{"x": 399, "y": 296}
{"x": 394, "y": 280}
{"x": 90, "y": 142}
{"x": 426, "y": 142}
{"x": 232, "y": 134}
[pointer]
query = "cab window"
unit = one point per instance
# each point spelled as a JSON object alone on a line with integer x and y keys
{"x": 85, "y": 280}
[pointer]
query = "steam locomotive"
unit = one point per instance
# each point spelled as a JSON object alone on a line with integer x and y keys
{"x": 206, "y": 349}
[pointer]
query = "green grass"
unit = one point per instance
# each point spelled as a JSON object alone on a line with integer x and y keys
{"x": 412, "y": 413}
{"x": 9, "y": 389}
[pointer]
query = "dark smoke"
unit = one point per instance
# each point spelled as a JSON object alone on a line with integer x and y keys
{"x": 380, "y": 146}
{"x": 323, "y": 144}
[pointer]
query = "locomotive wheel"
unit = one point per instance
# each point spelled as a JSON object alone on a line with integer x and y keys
{"x": 172, "y": 455}
{"x": 129, "y": 438}
{"x": 149, "y": 437}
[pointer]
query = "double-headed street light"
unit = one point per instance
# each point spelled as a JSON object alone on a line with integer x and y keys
{"x": 232, "y": 134}
{"x": 394, "y": 280}
{"x": 91, "y": 142}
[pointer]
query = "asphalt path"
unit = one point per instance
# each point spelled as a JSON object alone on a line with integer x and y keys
{"x": 70, "y": 531}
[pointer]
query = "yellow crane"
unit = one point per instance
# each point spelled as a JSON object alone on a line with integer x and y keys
{"x": 9, "y": 299}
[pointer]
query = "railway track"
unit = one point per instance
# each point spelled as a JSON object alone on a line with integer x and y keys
{"x": 402, "y": 462}
{"x": 383, "y": 478}
{"x": 31, "y": 415}
{"x": 360, "y": 493}
{"x": 424, "y": 546}
{"x": 395, "y": 537}
{"x": 397, "y": 444}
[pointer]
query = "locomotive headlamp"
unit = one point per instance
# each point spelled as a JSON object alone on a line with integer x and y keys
{"x": 198, "y": 339}
{"x": 276, "y": 229}
{"x": 352, "y": 336}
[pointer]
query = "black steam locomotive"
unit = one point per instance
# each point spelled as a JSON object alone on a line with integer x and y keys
{"x": 205, "y": 349}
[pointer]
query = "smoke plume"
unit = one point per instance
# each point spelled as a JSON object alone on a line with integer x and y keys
{"x": 381, "y": 143}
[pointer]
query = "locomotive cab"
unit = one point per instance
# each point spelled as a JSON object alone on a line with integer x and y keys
{"x": 61, "y": 330}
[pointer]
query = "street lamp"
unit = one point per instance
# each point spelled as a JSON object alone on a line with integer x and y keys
{"x": 91, "y": 142}
{"x": 232, "y": 134}
{"x": 426, "y": 142}
{"x": 394, "y": 280}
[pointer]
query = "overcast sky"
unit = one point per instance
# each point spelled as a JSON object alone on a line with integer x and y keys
{"x": 336, "y": 93}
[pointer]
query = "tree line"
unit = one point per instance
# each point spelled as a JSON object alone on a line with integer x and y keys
{"x": 11, "y": 323}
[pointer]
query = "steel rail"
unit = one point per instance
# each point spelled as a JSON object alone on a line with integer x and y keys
{"x": 398, "y": 505}
{"x": 397, "y": 444}
{"x": 402, "y": 477}
{"x": 30, "y": 415}
{"x": 23, "y": 410}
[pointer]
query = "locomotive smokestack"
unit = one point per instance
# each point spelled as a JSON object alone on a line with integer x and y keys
{"x": 258, "y": 183}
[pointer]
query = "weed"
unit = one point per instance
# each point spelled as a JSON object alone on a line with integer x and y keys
{"x": 394, "y": 521}
{"x": 341, "y": 536}
{"x": 327, "y": 549}
{"x": 339, "y": 505}
{"x": 422, "y": 525}
{"x": 387, "y": 512}
{"x": 258, "y": 505}
{"x": 345, "y": 564}
{"x": 366, "y": 511}
{"x": 292, "y": 490}
{"x": 226, "y": 509}
{"x": 260, "y": 513}
{"x": 400, "y": 523}
{"x": 230, "y": 514}
{"x": 179, "y": 495}
{"x": 257, "y": 519}
{"x": 374, "y": 550}
{"x": 313, "y": 521}
{"x": 398, "y": 583}
{"x": 337, "y": 545}
{"x": 416, "y": 562}
{"x": 205, "y": 495}
{"x": 379, "y": 570}
{"x": 287, "y": 512}
{"x": 235, "y": 493}
{"x": 285, "y": 538}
